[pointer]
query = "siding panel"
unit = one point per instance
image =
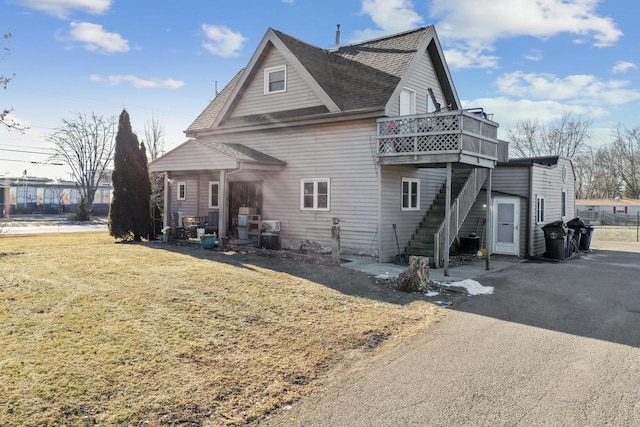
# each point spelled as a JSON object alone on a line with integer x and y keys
{"x": 297, "y": 95}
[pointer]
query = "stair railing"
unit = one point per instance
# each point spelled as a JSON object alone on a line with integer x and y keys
{"x": 459, "y": 210}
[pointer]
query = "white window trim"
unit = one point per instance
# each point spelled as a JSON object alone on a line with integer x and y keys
{"x": 540, "y": 213}
{"x": 410, "y": 181}
{"x": 564, "y": 202}
{"x": 267, "y": 72}
{"x": 182, "y": 185}
{"x": 212, "y": 183}
{"x": 315, "y": 182}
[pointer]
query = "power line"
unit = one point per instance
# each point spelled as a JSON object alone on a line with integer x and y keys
{"x": 25, "y": 151}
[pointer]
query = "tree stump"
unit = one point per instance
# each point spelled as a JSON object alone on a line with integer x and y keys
{"x": 416, "y": 277}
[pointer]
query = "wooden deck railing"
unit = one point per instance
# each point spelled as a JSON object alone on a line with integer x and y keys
{"x": 452, "y": 136}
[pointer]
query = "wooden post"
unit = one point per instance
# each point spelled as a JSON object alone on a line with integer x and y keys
{"x": 335, "y": 241}
{"x": 447, "y": 221}
{"x": 489, "y": 225}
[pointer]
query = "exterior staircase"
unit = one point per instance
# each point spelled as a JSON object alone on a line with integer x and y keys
{"x": 428, "y": 238}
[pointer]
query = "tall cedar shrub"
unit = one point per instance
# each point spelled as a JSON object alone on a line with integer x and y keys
{"x": 129, "y": 215}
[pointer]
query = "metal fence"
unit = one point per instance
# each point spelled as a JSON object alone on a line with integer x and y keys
{"x": 607, "y": 218}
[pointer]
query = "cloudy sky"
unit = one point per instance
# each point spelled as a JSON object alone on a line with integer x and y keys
{"x": 518, "y": 59}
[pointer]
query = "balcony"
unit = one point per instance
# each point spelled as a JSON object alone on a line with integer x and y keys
{"x": 434, "y": 139}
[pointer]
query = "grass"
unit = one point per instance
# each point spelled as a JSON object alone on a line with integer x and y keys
{"x": 98, "y": 333}
{"x": 610, "y": 233}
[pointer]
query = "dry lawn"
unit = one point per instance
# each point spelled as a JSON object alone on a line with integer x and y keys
{"x": 95, "y": 332}
{"x": 608, "y": 233}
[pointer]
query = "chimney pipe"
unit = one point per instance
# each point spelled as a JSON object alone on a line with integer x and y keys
{"x": 338, "y": 36}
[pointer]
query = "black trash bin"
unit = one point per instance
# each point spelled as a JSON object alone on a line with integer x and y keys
{"x": 555, "y": 236}
{"x": 578, "y": 226}
{"x": 585, "y": 240}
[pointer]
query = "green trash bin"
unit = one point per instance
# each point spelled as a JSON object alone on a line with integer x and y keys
{"x": 555, "y": 236}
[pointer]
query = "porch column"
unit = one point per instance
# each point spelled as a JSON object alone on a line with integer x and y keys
{"x": 489, "y": 225}
{"x": 447, "y": 221}
{"x": 222, "y": 204}
{"x": 167, "y": 200}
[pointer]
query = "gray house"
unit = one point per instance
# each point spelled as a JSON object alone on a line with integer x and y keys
{"x": 370, "y": 134}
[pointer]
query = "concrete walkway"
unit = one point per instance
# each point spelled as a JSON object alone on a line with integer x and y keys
{"x": 473, "y": 270}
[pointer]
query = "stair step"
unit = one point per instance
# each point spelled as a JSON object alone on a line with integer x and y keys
{"x": 416, "y": 244}
{"x": 419, "y": 252}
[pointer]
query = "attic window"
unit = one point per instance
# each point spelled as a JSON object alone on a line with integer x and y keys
{"x": 275, "y": 79}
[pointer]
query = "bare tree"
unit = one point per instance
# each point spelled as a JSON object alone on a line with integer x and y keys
{"x": 4, "y": 81}
{"x": 85, "y": 144}
{"x": 155, "y": 145}
{"x": 564, "y": 137}
{"x": 154, "y": 138}
{"x": 593, "y": 177}
{"x": 623, "y": 159}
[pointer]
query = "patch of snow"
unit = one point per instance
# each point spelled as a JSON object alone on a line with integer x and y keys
{"x": 473, "y": 287}
{"x": 431, "y": 294}
{"x": 383, "y": 276}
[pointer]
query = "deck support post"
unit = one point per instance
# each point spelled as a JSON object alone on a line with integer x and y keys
{"x": 489, "y": 223}
{"x": 447, "y": 220}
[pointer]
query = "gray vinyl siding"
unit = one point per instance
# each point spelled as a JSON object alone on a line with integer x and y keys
{"x": 431, "y": 181}
{"x": 511, "y": 180}
{"x": 298, "y": 94}
{"x": 342, "y": 152}
{"x": 189, "y": 206}
{"x": 420, "y": 80}
{"x": 547, "y": 182}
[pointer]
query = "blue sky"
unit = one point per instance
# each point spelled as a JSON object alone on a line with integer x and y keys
{"x": 518, "y": 59}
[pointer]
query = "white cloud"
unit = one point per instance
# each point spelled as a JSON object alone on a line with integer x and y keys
{"x": 458, "y": 57}
{"x": 94, "y": 38}
{"x": 577, "y": 88}
{"x": 534, "y": 55}
{"x": 221, "y": 41}
{"x": 138, "y": 82}
{"x": 508, "y": 112}
{"x": 476, "y": 26}
{"x": 623, "y": 67}
{"x": 390, "y": 16}
{"x": 62, "y": 8}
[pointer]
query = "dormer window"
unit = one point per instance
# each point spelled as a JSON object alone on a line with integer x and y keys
{"x": 275, "y": 79}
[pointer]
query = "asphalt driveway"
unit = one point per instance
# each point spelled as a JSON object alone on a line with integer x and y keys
{"x": 557, "y": 344}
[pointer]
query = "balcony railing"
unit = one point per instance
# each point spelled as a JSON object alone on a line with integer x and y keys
{"x": 438, "y": 138}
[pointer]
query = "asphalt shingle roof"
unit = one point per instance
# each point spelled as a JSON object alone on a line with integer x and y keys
{"x": 356, "y": 77}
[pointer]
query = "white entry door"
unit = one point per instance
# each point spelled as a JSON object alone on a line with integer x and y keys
{"x": 506, "y": 225}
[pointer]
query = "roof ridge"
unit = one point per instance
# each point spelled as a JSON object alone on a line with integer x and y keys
{"x": 390, "y": 36}
{"x": 278, "y": 32}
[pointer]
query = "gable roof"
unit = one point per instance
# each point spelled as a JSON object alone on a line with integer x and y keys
{"x": 357, "y": 77}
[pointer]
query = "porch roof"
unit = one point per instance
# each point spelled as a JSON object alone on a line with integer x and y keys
{"x": 194, "y": 155}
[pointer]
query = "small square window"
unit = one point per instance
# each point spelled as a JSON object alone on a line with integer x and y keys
{"x": 410, "y": 194}
{"x": 214, "y": 188}
{"x": 182, "y": 191}
{"x": 275, "y": 79}
{"x": 315, "y": 194}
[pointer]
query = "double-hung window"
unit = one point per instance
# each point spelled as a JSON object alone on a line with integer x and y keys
{"x": 540, "y": 209}
{"x": 214, "y": 188}
{"x": 182, "y": 191}
{"x": 275, "y": 79}
{"x": 410, "y": 194}
{"x": 315, "y": 194}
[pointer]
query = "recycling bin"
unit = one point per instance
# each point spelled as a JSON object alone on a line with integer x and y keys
{"x": 555, "y": 236}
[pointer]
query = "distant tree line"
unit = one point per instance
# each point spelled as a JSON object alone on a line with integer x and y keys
{"x": 605, "y": 171}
